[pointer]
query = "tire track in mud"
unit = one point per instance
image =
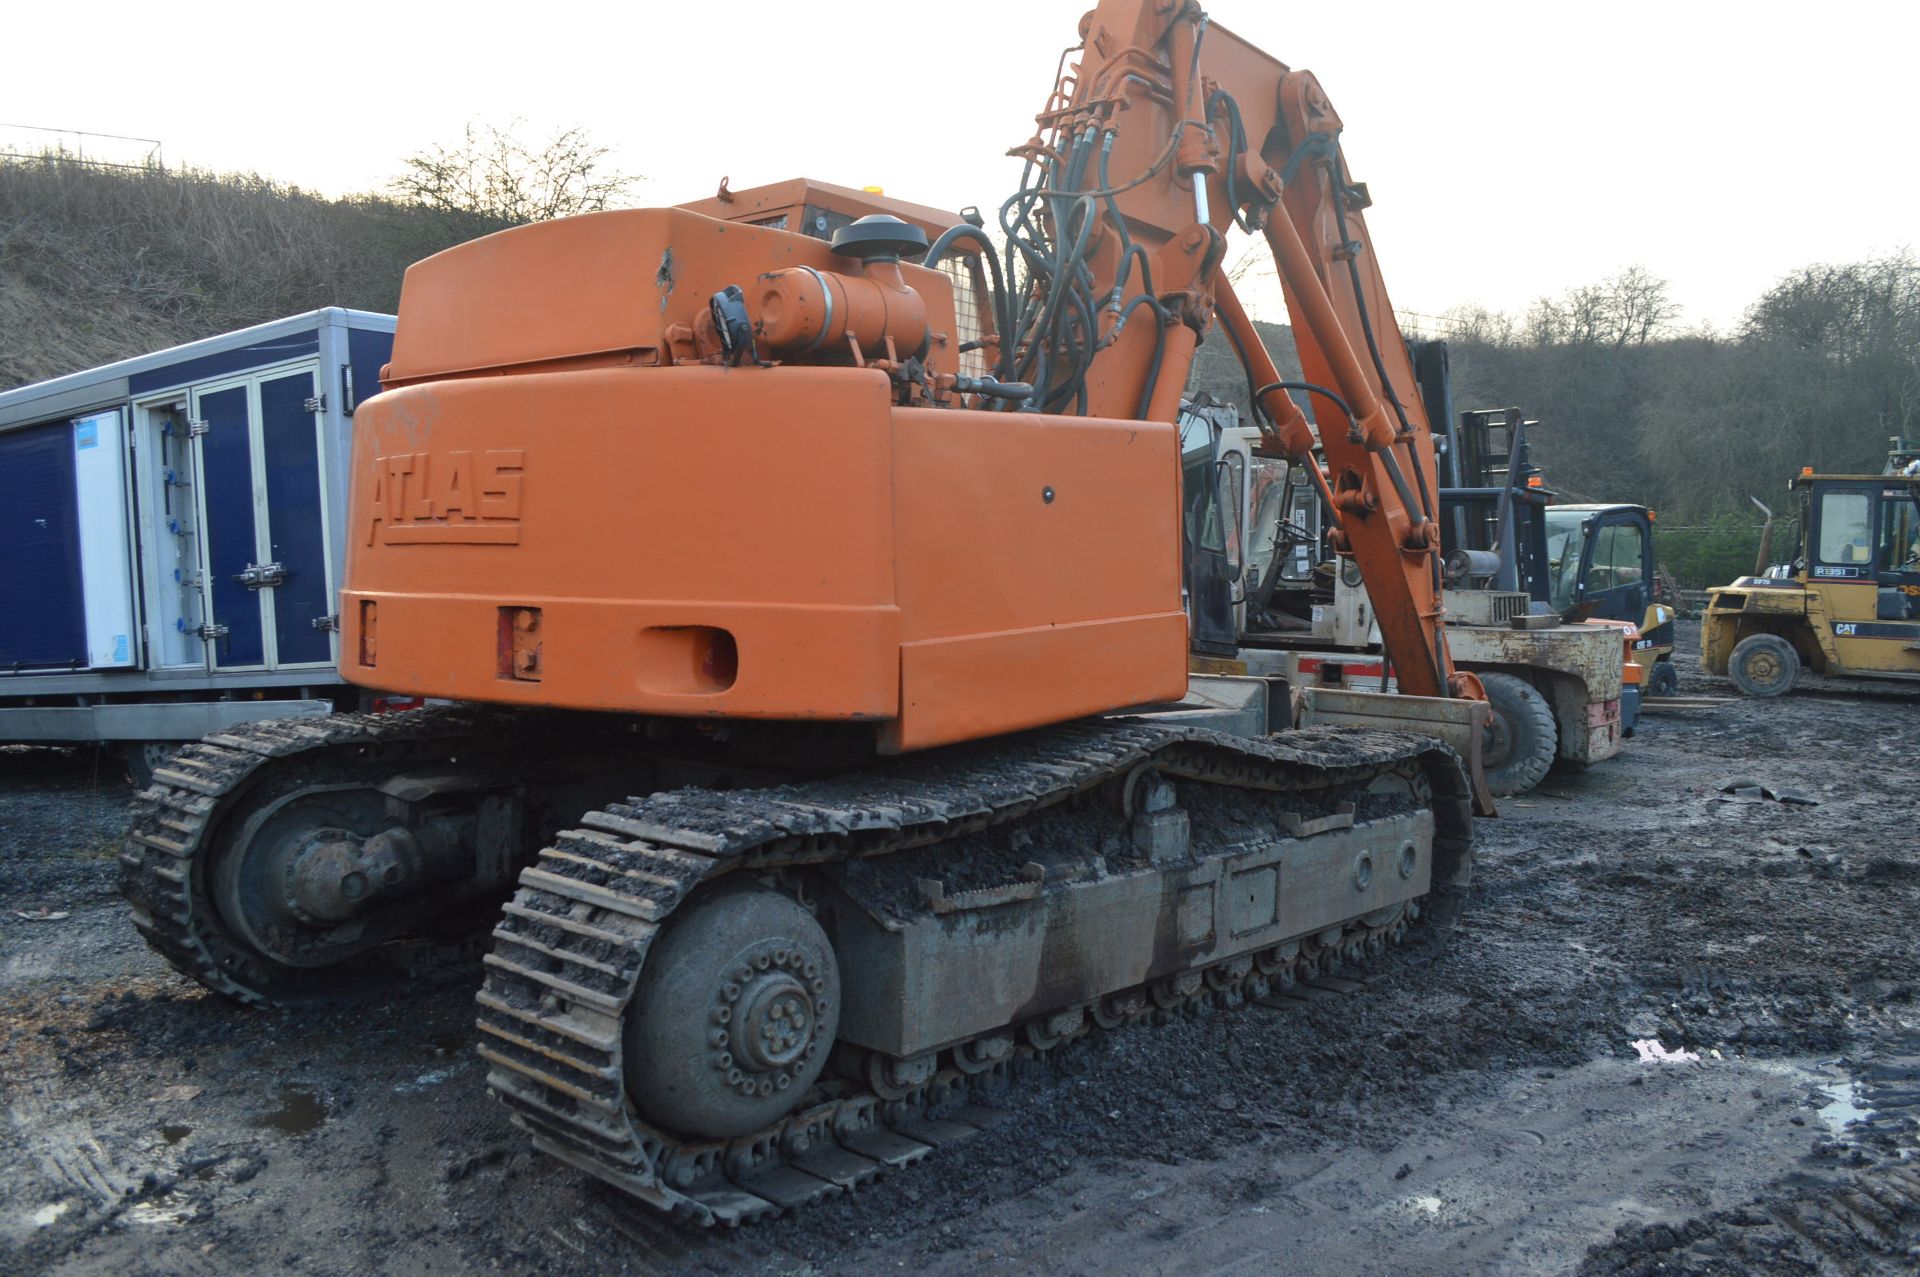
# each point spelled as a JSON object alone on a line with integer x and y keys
{"x": 1855, "y": 1210}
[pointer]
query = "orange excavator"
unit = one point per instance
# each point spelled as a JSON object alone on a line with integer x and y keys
{"x": 834, "y": 556}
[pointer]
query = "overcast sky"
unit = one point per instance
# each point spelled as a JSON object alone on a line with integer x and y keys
{"x": 1513, "y": 150}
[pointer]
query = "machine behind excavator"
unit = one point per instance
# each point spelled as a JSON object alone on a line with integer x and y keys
{"x": 1848, "y": 604}
{"x": 1560, "y": 688}
{"x": 1586, "y": 561}
{"x": 893, "y": 783}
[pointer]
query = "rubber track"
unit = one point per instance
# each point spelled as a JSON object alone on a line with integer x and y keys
{"x": 175, "y": 819}
{"x": 568, "y": 953}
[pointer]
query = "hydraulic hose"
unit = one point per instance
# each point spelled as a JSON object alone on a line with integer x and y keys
{"x": 1337, "y": 180}
{"x": 1001, "y": 319}
{"x": 1160, "y": 321}
{"x": 1307, "y": 386}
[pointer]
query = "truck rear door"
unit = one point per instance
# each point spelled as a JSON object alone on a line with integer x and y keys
{"x": 265, "y": 552}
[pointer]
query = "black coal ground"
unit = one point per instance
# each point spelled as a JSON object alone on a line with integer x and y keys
{"x": 1478, "y": 1107}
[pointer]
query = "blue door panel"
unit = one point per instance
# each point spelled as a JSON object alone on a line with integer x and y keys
{"x": 227, "y": 472}
{"x": 44, "y": 622}
{"x": 294, "y": 522}
{"x": 368, "y": 352}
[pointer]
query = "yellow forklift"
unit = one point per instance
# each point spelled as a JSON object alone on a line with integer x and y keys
{"x": 1848, "y": 603}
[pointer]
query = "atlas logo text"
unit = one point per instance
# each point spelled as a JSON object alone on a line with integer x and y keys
{"x": 460, "y": 496}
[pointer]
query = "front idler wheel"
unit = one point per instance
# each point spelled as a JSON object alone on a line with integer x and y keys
{"x": 734, "y": 1015}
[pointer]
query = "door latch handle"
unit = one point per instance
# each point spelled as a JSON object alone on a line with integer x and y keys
{"x": 261, "y": 576}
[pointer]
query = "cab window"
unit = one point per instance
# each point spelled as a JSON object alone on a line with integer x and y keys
{"x": 1846, "y": 529}
{"x": 1565, "y": 534}
{"x": 1617, "y": 558}
{"x": 1272, "y": 489}
{"x": 1205, "y": 528}
{"x": 1900, "y": 530}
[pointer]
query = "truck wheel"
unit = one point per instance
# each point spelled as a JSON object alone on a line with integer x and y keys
{"x": 1663, "y": 680}
{"x": 142, "y": 757}
{"x": 1763, "y": 665}
{"x": 1521, "y": 738}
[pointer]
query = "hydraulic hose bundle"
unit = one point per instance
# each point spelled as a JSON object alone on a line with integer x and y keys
{"x": 1045, "y": 306}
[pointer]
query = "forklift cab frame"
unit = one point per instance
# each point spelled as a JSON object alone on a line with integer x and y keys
{"x": 1865, "y": 529}
{"x": 1612, "y": 576}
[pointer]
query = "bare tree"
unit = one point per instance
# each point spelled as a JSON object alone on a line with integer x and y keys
{"x": 1475, "y": 325}
{"x": 1630, "y": 308}
{"x": 1861, "y": 322}
{"x": 492, "y": 173}
{"x": 1636, "y": 307}
{"x": 1851, "y": 311}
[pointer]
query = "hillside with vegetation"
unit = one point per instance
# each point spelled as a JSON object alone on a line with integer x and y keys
{"x": 1823, "y": 370}
{"x": 102, "y": 264}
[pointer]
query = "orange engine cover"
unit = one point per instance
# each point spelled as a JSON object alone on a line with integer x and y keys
{"x": 573, "y": 520}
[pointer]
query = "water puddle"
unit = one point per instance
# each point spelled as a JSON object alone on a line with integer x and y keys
{"x": 301, "y": 1111}
{"x": 173, "y": 1132}
{"x": 160, "y": 1210}
{"x": 1842, "y": 1106}
{"x": 1836, "y": 1100}
{"x": 426, "y": 1080}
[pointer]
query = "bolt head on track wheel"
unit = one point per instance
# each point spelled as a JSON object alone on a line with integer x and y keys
{"x": 733, "y": 1016}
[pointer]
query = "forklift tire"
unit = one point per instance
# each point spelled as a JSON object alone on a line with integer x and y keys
{"x": 1663, "y": 679}
{"x": 1521, "y": 737}
{"x": 1763, "y": 665}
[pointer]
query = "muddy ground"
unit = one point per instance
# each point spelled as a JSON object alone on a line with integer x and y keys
{"x": 1474, "y": 1108}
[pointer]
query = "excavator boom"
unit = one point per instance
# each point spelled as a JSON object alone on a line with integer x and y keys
{"x": 1167, "y": 132}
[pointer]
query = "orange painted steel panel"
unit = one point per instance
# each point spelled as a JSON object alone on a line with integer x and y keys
{"x": 1020, "y": 608}
{"x": 757, "y": 501}
{"x": 795, "y": 662}
{"x": 983, "y": 549}
{"x": 980, "y": 685}
{"x": 794, "y": 511}
{"x": 607, "y": 285}
{"x": 792, "y": 198}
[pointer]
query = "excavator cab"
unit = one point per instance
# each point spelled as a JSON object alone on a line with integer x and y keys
{"x": 1247, "y": 556}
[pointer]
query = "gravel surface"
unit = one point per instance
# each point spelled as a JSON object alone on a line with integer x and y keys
{"x": 1476, "y": 1107}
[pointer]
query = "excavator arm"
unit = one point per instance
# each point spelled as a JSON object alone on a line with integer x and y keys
{"x": 1165, "y": 130}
